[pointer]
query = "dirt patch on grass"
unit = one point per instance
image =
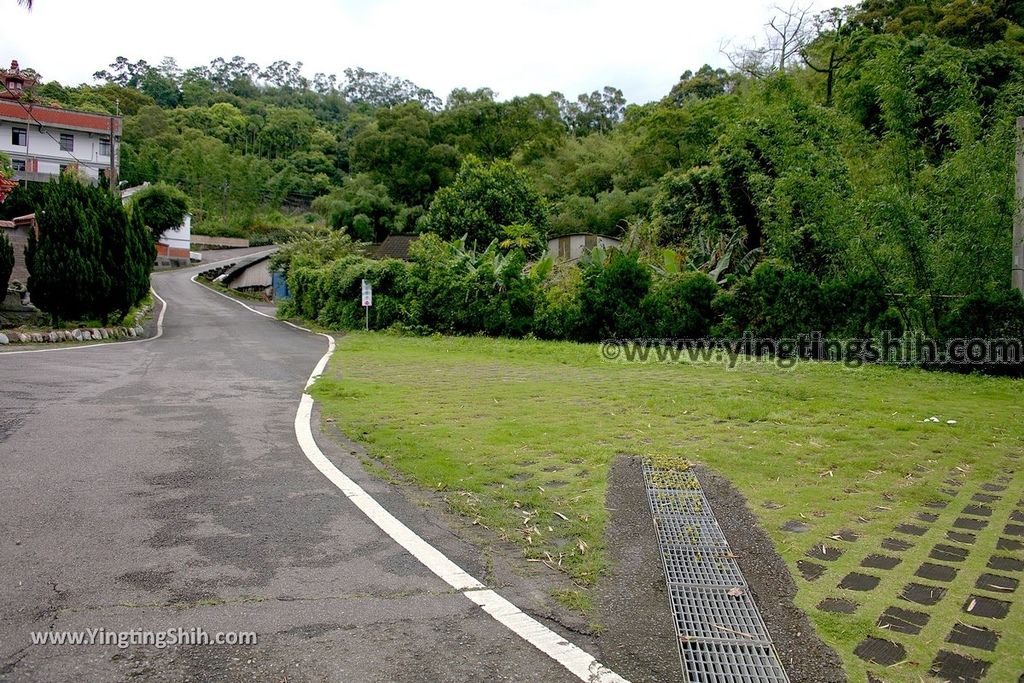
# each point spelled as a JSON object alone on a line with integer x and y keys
{"x": 803, "y": 654}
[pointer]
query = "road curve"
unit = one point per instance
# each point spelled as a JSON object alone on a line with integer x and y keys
{"x": 160, "y": 486}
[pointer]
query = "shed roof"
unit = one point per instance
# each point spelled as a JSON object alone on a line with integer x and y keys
{"x": 395, "y": 246}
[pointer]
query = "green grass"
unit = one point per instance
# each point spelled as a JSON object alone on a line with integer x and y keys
{"x": 519, "y": 435}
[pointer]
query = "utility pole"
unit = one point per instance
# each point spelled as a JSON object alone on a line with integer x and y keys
{"x": 1018, "y": 214}
{"x": 113, "y": 170}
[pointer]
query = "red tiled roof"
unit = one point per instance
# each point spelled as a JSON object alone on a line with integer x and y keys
{"x": 62, "y": 118}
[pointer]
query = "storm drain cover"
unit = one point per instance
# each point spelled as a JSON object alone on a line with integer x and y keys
{"x": 722, "y": 637}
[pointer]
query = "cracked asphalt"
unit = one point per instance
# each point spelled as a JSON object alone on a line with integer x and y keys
{"x": 160, "y": 486}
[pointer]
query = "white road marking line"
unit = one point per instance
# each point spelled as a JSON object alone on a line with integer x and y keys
{"x": 159, "y": 333}
{"x": 576, "y": 660}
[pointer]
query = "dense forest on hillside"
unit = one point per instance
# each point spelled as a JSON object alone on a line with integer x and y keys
{"x": 870, "y": 144}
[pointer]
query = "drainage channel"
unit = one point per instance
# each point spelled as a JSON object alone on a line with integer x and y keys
{"x": 722, "y": 637}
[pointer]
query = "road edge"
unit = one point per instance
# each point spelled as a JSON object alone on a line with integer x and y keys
{"x": 574, "y": 659}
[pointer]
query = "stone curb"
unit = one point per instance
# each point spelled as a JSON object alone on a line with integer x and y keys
{"x": 81, "y": 334}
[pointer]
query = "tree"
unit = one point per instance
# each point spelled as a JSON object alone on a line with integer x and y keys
{"x": 6, "y": 261}
{"x": 786, "y": 34}
{"x": 384, "y": 90}
{"x": 401, "y": 150}
{"x": 483, "y": 200}
{"x": 597, "y": 112}
{"x": 830, "y": 49}
{"x": 64, "y": 261}
{"x": 361, "y": 206}
{"x": 703, "y": 85}
{"x": 161, "y": 207}
{"x": 89, "y": 258}
{"x": 126, "y": 259}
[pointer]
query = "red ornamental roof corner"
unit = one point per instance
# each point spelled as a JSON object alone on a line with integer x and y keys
{"x": 5, "y": 187}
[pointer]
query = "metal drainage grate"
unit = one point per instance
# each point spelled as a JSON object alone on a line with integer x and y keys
{"x": 713, "y": 614}
{"x": 689, "y": 532}
{"x": 731, "y": 663}
{"x": 658, "y": 478}
{"x": 702, "y": 566}
{"x": 722, "y": 637}
{"x": 687, "y": 503}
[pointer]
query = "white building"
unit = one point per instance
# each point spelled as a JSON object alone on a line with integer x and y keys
{"x": 572, "y": 247}
{"x": 43, "y": 142}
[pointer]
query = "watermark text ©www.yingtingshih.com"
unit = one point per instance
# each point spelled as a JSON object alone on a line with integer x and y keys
{"x": 785, "y": 353}
{"x": 159, "y": 639}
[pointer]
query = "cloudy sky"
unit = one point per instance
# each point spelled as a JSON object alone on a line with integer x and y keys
{"x": 514, "y": 47}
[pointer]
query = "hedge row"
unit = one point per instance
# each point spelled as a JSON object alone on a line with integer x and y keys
{"x": 448, "y": 289}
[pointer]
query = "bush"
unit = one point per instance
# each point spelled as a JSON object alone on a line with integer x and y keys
{"x": 774, "y": 303}
{"x": 457, "y": 290}
{"x": 857, "y": 308}
{"x": 612, "y": 292}
{"x": 679, "y": 306}
{"x": 330, "y": 294}
{"x": 64, "y": 261}
{"x": 559, "y": 309}
{"x": 994, "y": 313}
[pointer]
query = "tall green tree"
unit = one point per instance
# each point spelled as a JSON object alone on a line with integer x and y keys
{"x": 483, "y": 200}
{"x": 127, "y": 256}
{"x": 6, "y": 261}
{"x": 66, "y": 275}
{"x": 161, "y": 207}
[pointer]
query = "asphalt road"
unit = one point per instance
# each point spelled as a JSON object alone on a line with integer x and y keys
{"x": 159, "y": 486}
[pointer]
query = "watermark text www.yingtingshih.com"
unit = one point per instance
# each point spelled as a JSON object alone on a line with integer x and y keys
{"x": 786, "y": 353}
{"x": 159, "y": 639}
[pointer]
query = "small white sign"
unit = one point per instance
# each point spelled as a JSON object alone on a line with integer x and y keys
{"x": 367, "y": 294}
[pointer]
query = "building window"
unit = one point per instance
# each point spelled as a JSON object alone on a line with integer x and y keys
{"x": 63, "y": 169}
{"x": 14, "y": 85}
{"x": 18, "y": 165}
{"x": 67, "y": 142}
{"x": 19, "y": 137}
{"x": 104, "y": 147}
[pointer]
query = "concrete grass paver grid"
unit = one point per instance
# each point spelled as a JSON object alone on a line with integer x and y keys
{"x": 959, "y": 595}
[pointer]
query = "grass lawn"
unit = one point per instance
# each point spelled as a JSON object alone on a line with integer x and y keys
{"x": 519, "y": 435}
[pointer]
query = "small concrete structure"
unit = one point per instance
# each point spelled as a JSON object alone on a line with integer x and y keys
{"x": 251, "y": 275}
{"x": 219, "y": 242}
{"x": 572, "y": 247}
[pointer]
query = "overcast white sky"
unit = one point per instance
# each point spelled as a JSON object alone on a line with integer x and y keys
{"x": 513, "y": 47}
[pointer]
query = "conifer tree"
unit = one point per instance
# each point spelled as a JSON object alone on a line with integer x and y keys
{"x": 65, "y": 259}
{"x": 6, "y": 262}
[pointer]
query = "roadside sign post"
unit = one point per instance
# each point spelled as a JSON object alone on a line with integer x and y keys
{"x": 367, "y": 301}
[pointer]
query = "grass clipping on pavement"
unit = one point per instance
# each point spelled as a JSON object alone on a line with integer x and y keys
{"x": 518, "y": 435}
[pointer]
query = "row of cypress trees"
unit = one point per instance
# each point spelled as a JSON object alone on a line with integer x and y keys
{"x": 91, "y": 258}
